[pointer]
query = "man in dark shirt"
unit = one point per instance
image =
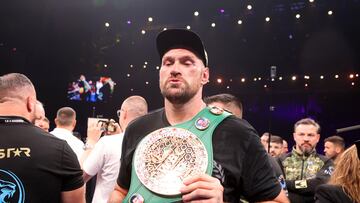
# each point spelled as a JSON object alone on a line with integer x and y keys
{"x": 240, "y": 163}
{"x": 34, "y": 165}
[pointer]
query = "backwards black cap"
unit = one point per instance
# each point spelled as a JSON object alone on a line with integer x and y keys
{"x": 181, "y": 38}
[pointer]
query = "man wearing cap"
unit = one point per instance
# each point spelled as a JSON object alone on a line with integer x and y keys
{"x": 185, "y": 151}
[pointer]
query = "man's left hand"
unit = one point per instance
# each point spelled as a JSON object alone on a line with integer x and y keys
{"x": 202, "y": 188}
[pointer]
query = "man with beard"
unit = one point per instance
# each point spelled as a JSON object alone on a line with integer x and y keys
{"x": 154, "y": 166}
{"x": 34, "y": 165}
{"x": 303, "y": 167}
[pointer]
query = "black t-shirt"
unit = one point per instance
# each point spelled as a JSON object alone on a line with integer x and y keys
{"x": 35, "y": 166}
{"x": 240, "y": 161}
{"x": 331, "y": 194}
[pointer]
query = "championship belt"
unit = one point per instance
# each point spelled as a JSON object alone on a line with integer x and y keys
{"x": 165, "y": 157}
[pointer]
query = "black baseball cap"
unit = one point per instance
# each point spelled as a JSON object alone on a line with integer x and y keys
{"x": 181, "y": 38}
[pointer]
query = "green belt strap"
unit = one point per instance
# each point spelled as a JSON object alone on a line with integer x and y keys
{"x": 136, "y": 187}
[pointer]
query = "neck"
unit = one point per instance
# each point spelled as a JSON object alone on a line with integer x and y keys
{"x": 178, "y": 113}
{"x": 14, "y": 109}
{"x": 69, "y": 128}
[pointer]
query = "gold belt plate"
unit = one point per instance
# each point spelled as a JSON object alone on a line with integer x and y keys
{"x": 165, "y": 157}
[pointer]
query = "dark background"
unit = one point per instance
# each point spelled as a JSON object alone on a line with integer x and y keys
{"x": 53, "y": 42}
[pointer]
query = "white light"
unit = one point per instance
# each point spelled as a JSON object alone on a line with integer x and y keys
{"x": 351, "y": 76}
{"x": 230, "y": 80}
{"x": 150, "y": 19}
{"x": 128, "y": 75}
{"x": 311, "y": 1}
{"x": 255, "y": 79}
{"x": 306, "y": 77}
{"x": 249, "y": 7}
{"x": 147, "y": 82}
{"x": 132, "y": 89}
{"x": 306, "y": 84}
{"x": 196, "y": 13}
{"x": 188, "y": 27}
{"x": 357, "y": 75}
{"x": 157, "y": 67}
{"x": 239, "y": 22}
{"x": 293, "y": 77}
{"x": 280, "y": 78}
{"x": 165, "y": 28}
{"x": 105, "y": 65}
{"x": 144, "y": 66}
{"x": 107, "y": 24}
{"x": 321, "y": 77}
{"x": 330, "y": 13}
{"x": 143, "y": 32}
{"x": 265, "y": 86}
{"x": 297, "y": 16}
{"x": 213, "y": 24}
{"x": 267, "y": 19}
{"x": 219, "y": 80}
{"x": 259, "y": 78}
{"x": 131, "y": 65}
{"x": 272, "y": 79}
{"x": 145, "y": 62}
{"x": 336, "y": 76}
{"x": 352, "y": 83}
{"x": 227, "y": 87}
{"x": 242, "y": 79}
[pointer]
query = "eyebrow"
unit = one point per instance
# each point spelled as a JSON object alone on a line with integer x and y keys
{"x": 182, "y": 58}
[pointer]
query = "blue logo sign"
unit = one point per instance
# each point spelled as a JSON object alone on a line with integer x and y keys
{"x": 11, "y": 188}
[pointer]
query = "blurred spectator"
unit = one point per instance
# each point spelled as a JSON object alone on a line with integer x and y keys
{"x": 344, "y": 184}
{"x": 227, "y": 102}
{"x": 334, "y": 146}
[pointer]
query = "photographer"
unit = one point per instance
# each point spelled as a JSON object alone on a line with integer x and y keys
{"x": 102, "y": 156}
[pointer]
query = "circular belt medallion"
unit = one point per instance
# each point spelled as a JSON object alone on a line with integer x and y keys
{"x": 165, "y": 157}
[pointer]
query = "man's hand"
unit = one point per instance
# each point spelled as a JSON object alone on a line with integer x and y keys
{"x": 93, "y": 132}
{"x": 202, "y": 188}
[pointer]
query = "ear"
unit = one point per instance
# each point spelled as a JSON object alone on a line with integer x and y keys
{"x": 205, "y": 76}
{"x": 30, "y": 104}
{"x": 125, "y": 114}
{"x": 74, "y": 123}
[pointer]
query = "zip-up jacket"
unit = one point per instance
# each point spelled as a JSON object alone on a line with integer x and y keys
{"x": 304, "y": 173}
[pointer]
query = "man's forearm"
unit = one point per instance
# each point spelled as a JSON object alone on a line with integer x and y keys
{"x": 118, "y": 195}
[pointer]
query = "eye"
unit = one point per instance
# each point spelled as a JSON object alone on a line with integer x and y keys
{"x": 167, "y": 63}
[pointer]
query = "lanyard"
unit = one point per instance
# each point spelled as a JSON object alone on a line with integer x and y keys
{"x": 12, "y": 119}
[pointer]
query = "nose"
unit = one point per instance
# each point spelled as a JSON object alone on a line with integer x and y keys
{"x": 175, "y": 69}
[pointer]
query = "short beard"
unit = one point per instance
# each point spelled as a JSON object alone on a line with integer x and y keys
{"x": 306, "y": 151}
{"x": 181, "y": 97}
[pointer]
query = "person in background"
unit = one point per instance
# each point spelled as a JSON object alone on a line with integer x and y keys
{"x": 103, "y": 157}
{"x": 34, "y": 165}
{"x": 334, "y": 146}
{"x": 264, "y": 139}
{"x": 41, "y": 121}
{"x": 276, "y": 146}
{"x": 227, "y": 102}
{"x": 303, "y": 167}
{"x": 285, "y": 147}
{"x": 344, "y": 184}
{"x": 65, "y": 124}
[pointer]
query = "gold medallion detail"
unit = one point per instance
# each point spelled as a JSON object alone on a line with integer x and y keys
{"x": 165, "y": 157}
